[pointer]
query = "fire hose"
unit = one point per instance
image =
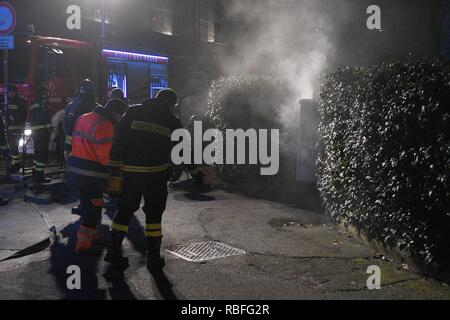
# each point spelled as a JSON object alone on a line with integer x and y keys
{"x": 42, "y": 245}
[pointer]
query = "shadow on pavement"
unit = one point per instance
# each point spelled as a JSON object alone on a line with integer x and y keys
{"x": 163, "y": 285}
{"x": 63, "y": 256}
{"x": 120, "y": 290}
{"x": 191, "y": 188}
{"x": 135, "y": 234}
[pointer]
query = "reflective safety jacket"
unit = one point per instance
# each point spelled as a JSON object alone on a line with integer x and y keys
{"x": 40, "y": 115}
{"x": 142, "y": 141}
{"x": 91, "y": 145}
{"x": 17, "y": 111}
{"x": 79, "y": 106}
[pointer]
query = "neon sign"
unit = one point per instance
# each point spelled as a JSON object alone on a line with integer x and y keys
{"x": 134, "y": 56}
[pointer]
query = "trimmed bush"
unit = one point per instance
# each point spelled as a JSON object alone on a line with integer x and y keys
{"x": 384, "y": 155}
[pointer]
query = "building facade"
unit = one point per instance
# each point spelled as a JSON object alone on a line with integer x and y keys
{"x": 181, "y": 32}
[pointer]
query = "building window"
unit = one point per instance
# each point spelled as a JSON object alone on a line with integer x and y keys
{"x": 205, "y": 20}
{"x": 161, "y": 16}
{"x": 93, "y": 10}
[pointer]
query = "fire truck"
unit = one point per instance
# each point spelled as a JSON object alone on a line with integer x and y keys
{"x": 63, "y": 63}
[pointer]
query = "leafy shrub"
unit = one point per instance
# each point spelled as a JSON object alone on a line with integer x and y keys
{"x": 253, "y": 102}
{"x": 384, "y": 155}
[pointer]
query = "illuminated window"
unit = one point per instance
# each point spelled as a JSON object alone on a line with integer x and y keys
{"x": 160, "y": 16}
{"x": 205, "y": 20}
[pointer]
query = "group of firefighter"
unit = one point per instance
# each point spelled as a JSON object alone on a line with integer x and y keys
{"x": 114, "y": 149}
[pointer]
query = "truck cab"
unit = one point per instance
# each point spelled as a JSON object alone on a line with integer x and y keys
{"x": 60, "y": 63}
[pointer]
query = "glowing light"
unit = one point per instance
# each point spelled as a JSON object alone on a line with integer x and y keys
{"x": 125, "y": 86}
{"x": 21, "y": 143}
{"x": 27, "y": 132}
{"x": 134, "y": 55}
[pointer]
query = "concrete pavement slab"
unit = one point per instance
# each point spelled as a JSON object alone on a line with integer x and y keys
{"x": 290, "y": 254}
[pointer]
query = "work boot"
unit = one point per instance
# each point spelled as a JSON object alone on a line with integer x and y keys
{"x": 39, "y": 178}
{"x": 85, "y": 241}
{"x": 114, "y": 253}
{"x": 77, "y": 210}
{"x": 154, "y": 260}
{"x": 3, "y": 202}
{"x": 14, "y": 169}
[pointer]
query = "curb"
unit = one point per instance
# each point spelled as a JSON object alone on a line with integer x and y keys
{"x": 393, "y": 253}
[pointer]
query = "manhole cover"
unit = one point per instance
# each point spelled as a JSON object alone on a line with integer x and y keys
{"x": 208, "y": 250}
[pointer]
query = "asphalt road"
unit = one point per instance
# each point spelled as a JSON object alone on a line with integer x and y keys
{"x": 289, "y": 254}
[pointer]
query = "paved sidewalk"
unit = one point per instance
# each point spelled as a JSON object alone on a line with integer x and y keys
{"x": 290, "y": 254}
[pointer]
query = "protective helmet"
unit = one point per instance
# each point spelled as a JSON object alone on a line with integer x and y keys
{"x": 168, "y": 96}
{"x": 117, "y": 93}
{"x": 116, "y": 106}
{"x": 86, "y": 88}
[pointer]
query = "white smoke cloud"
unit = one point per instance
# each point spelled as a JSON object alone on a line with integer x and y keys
{"x": 286, "y": 39}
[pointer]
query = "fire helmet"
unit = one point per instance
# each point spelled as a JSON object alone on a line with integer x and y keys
{"x": 116, "y": 93}
{"x": 168, "y": 96}
{"x": 86, "y": 88}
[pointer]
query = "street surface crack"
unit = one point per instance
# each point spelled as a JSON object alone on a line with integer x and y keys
{"x": 307, "y": 257}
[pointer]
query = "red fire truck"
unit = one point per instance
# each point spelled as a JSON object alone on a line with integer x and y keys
{"x": 63, "y": 63}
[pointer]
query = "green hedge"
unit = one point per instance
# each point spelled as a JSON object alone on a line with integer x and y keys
{"x": 384, "y": 158}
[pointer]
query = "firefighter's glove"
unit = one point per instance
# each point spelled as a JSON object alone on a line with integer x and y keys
{"x": 114, "y": 185}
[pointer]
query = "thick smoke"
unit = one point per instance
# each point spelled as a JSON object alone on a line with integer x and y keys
{"x": 284, "y": 39}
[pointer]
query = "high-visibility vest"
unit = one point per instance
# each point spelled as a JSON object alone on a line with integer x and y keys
{"x": 91, "y": 144}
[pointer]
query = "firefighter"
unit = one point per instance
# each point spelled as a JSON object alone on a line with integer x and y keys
{"x": 84, "y": 102}
{"x": 114, "y": 93}
{"x": 141, "y": 149}
{"x": 41, "y": 127}
{"x": 87, "y": 171}
{"x": 17, "y": 112}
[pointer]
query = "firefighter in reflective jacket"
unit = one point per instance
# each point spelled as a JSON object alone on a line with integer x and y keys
{"x": 41, "y": 127}
{"x": 87, "y": 171}
{"x": 17, "y": 111}
{"x": 83, "y": 103}
{"x": 141, "y": 150}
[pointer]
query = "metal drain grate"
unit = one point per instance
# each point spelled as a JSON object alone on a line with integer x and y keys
{"x": 208, "y": 250}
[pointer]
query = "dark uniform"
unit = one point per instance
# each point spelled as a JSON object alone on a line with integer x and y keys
{"x": 142, "y": 149}
{"x": 17, "y": 111}
{"x": 41, "y": 127}
{"x": 83, "y": 103}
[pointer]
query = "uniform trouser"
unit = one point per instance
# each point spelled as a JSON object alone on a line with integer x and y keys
{"x": 151, "y": 186}
{"x": 91, "y": 200}
{"x": 41, "y": 138}
{"x": 13, "y": 138}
